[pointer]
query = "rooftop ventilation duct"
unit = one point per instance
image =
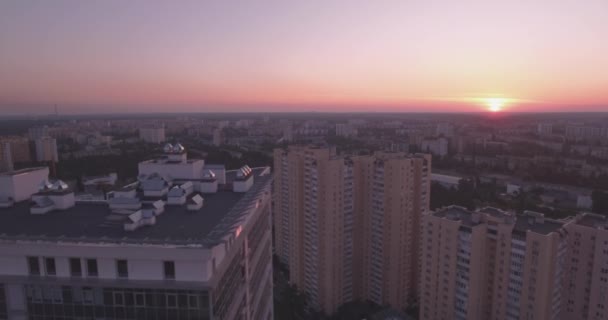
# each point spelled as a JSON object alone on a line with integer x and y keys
{"x": 45, "y": 185}
{"x": 168, "y": 148}
{"x": 178, "y": 148}
{"x": 59, "y": 186}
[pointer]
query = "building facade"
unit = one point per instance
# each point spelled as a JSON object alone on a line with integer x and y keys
{"x": 492, "y": 264}
{"x": 46, "y": 149}
{"x": 152, "y": 134}
{"x": 346, "y": 227}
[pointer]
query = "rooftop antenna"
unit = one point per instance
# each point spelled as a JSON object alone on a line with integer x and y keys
{"x": 56, "y": 111}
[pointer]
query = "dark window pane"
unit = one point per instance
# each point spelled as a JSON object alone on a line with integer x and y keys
{"x": 140, "y": 299}
{"x": 49, "y": 264}
{"x": 118, "y": 298}
{"x": 169, "y": 267}
{"x": 92, "y": 267}
{"x": 171, "y": 301}
{"x": 34, "y": 266}
{"x": 75, "y": 267}
{"x": 122, "y": 268}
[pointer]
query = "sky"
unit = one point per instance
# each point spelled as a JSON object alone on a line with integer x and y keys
{"x": 207, "y": 56}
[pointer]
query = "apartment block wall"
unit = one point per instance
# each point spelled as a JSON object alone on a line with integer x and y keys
{"x": 513, "y": 266}
{"x": 354, "y": 224}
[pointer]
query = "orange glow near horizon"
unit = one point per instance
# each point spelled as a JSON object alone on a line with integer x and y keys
{"x": 335, "y": 56}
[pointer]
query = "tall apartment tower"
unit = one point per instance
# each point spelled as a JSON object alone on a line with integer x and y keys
{"x": 586, "y": 295}
{"x": 491, "y": 264}
{"x": 347, "y": 227}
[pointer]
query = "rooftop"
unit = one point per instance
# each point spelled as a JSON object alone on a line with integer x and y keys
{"x": 593, "y": 221}
{"x": 22, "y": 171}
{"x": 95, "y": 222}
{"x": 545, "y": 226}
{"x": 456, "y": 213}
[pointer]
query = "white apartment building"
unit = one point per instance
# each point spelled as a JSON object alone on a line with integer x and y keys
{"x": 138, "y": 257}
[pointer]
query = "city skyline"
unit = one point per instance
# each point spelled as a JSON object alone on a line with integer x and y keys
{"x": 316, "y": 56}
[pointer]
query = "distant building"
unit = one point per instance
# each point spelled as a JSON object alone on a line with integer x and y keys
{"x": 445, "y": 129}
{"x": 545, "y": 129}
{"x": 345, "y": 130}
{"x": 6, "y": 157}
{"x": 218, "y": 137}
{"x": 154, "y": 134}
{"x": 38, "y": 132}
{"x": 436, "y": 147}
{"x": 288, "y": 133}
{"x": 586, "y": 133}
{"x": 347, "y": 227}
{"x": 46, "y": 149}
{"x": 13, "y": 150}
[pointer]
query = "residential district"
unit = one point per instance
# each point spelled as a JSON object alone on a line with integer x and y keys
{"x": 304, "y": 216}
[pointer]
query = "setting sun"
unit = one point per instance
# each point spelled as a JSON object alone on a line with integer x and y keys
{"x": 495, "y": 104}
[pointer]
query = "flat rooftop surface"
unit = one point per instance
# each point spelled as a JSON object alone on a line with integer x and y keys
{"x": 593, "y": 221}
{"x": 21, "y": 171}
{"x": 95, "y": 222}
{"x": 456, "y": 213}
{"x": 523, "y": 224}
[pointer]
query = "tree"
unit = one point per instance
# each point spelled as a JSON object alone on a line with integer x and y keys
{"x": 600, "y": 202}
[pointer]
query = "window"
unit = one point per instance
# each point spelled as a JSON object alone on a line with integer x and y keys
{"x": 119, "y": 298}
{"x": 169, "y": 267}
{"x": 140, "y": 299}
{"x": 34, "y": 266}
{"x": 92, "y": 267}
{"x": 171, "y": 300}
{"x": 122, "y": 268}
{"x": 49, "y": 264}
{"x": 75, "y": 267}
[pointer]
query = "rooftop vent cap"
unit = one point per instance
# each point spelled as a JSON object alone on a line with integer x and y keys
{"x": 168, "y": 148}
{"x": 45, "y": 185}
{"x": 59, "y": 185}
{"x": 178, "y": 148}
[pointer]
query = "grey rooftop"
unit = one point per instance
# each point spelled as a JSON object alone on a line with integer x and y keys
{"x": 94, "y": 222}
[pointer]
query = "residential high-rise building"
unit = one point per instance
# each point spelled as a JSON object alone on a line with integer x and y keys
{"x": 544, "y": 129}
{"x": 218, "y": 137}
{"x": 347, "y": 226}
{"x": 38, "y": 132}
{"x": 195, "y": 252}
{"x": 152, "y": 134}
{"x": 492, "y": 264}
{"x": 13, "y": 150}
{"x": 6, "y": 157}
{"x": 586, "y": 296}
{"x": 46, "y": 149}
{"x": 437, "y": 147}
{"x": 345, "y": 130}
